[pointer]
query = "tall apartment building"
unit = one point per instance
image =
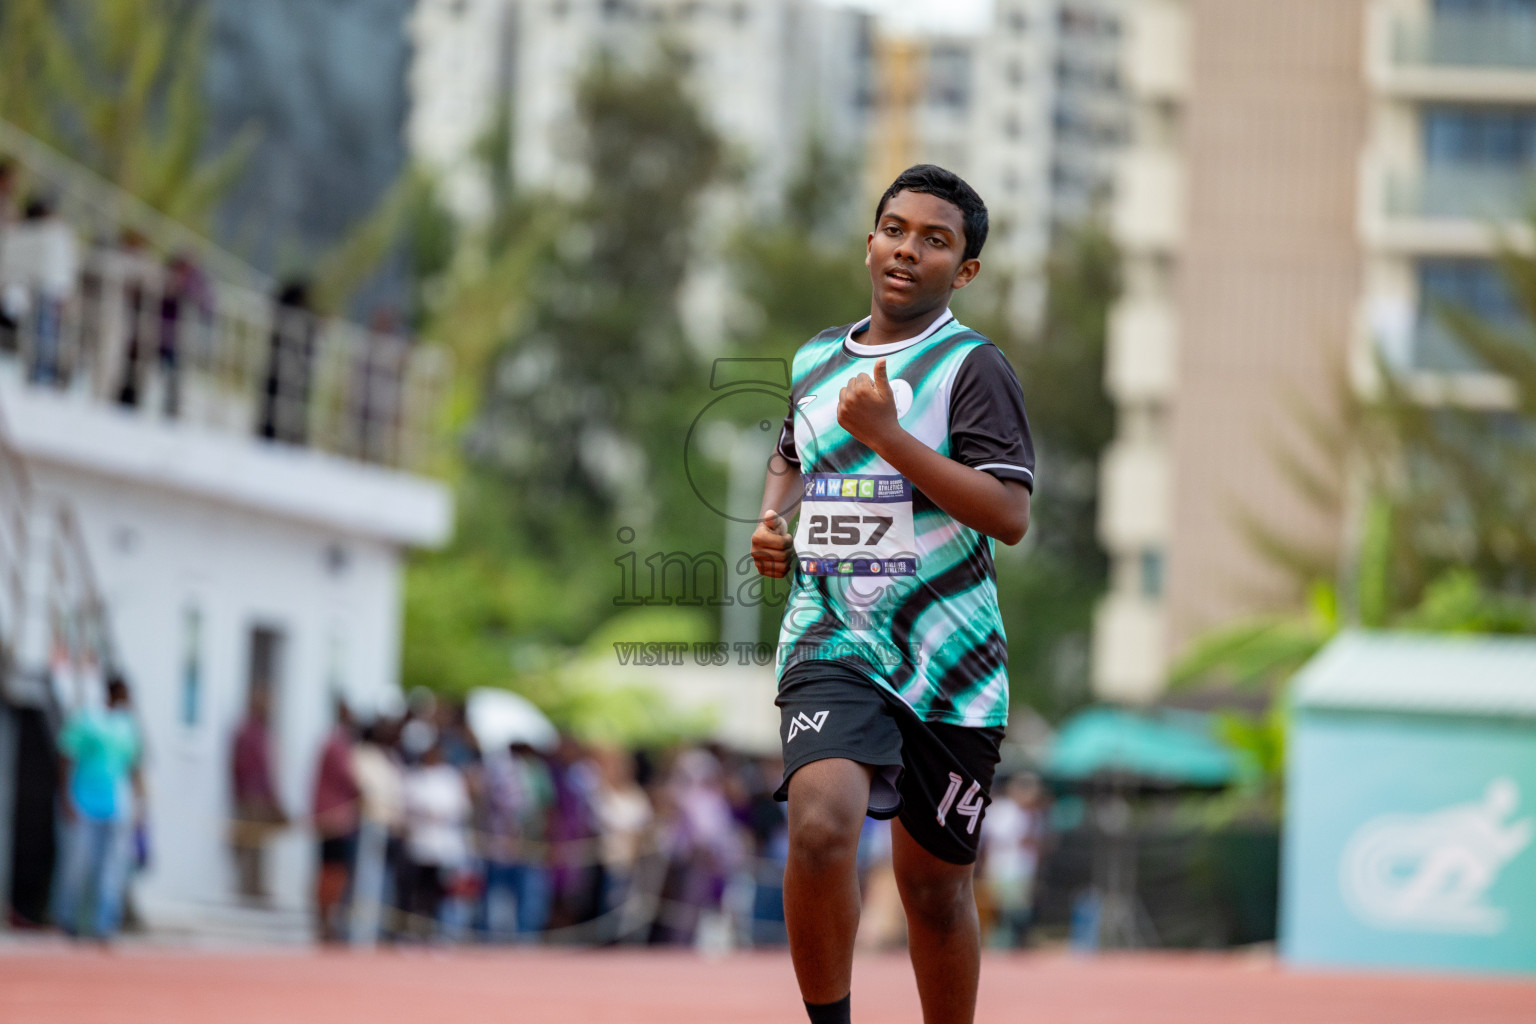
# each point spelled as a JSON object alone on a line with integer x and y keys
{"x": 1308, "y": 180}
{"x": 767, "y": 74}
{"x": 1032, "y": 112}
{"x": 1242, "y": 269}
{"x": 1451, "y": 146}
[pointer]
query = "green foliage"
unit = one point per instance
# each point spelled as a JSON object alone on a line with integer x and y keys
{"x": 561, "y": 313}
{"x": 1259, "y": 793}
{"x": 117, "y": 85}
{"x": 582, "y": 405}
{"x": 1049, "y": 588}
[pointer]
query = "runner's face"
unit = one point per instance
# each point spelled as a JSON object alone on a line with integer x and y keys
{"x": 916, "y": 254}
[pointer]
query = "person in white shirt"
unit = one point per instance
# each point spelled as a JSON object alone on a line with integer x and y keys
{"x": 42, "y": 259}
{"x": 1011, "y": 857}
{"x": 437, "y": 817}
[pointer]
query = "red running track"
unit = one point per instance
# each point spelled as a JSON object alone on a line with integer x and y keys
{"x": 138, "y": 986}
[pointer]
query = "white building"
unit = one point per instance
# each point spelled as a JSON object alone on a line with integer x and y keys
{"x": 225, "y": 564}
{"x": 460, "y": 72}
{"x": 222, "y": 561}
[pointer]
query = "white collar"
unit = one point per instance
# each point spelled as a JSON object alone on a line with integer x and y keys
{"x": 859, "y": 349}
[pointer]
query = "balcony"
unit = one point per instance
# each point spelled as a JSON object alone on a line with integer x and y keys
{"x": 163, "y": 343}
{"x": 1134, "y": 497}
{"x": 1156, "y": 51}
{"x": 1448, "y": 210}
{"x": 1149, "y": 201}
{"x": 1140, "y": 364}
{"x": 1462, "y": 56}
{"x": 1130, "y": 650}
{"x": 1467, "y": 192}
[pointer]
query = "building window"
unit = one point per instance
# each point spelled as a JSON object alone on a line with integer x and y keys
{"x": 1503, "y": 136}
{"x": 949, "y": 77}
{"x": 191, "y": 666}
{"x": 1012, "y": 127}
{"x": 1476, "y": 286}
{"x": 1471, "y": 286}
{"x": 1015, "y": 72}
{"x": 1486, "y": 7}
{"x": 1152, "y": 572}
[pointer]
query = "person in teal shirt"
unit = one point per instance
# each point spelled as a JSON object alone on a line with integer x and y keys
{"x": 102, "y": 799}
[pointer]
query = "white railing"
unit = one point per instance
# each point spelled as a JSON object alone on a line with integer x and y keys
{"x": 1492, "y": 40}
{"x": 1464, "y": 192}
{"x": 104, "y": 213}
{"x": 166, "y": 342}
{"x": 53, "y": 621}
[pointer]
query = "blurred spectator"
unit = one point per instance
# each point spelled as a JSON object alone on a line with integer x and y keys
{"x": 381, "y": 784}
{"x": 623, "y": 818}
{"x": 419, "y": 730}
{"x": 460, "y": 748}
{"x": 184, "y": 296}
{"x": 336, "y": 810}
{"x": 437, "y": 816}
{"x": 258, "y": 812}
{"x": 1010, "y": 857}
{"x": 577, "y": 875}
{"x": 103, "y": 800}
{"x": 704, "y": 843}
{"x": 118, "y": 295}
{"x": 42, "y": 257}
{"x": 290, "y": 359}
{"x": 10, "y": 272}
{"x": 519, "y": 793}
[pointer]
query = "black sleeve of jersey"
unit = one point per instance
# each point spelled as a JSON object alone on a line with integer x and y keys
{"x": 988, "y": 429}
{"x": 786, "y": 446}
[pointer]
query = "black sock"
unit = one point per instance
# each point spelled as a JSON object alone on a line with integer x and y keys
{"x": 829, "y": 1013}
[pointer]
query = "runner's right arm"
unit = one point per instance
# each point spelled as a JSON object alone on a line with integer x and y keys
{"x": 772, "y": 545}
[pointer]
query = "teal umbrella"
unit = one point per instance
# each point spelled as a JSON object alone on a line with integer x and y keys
{"x": 1164, "y": 750}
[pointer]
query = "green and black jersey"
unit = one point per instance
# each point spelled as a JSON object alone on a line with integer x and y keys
{"x": 923, "y": 623}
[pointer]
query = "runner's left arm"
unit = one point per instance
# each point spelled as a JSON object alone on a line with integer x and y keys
{"x": 999, "y": 508}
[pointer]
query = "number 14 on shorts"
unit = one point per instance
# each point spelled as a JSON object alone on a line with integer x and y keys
{"x": 969, "y": 806}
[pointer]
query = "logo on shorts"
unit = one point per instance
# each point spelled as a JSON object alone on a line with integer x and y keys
{"x": 802, "y": 721}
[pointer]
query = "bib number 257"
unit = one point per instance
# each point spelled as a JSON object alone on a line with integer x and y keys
{"x": 844, "y": 531}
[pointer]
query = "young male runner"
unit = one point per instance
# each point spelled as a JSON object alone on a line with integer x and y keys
{"x": 907, "y": 452}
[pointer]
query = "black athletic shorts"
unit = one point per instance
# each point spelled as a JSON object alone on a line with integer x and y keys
{"x": 937, "y": 777}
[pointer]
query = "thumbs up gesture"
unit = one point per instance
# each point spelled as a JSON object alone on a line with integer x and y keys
{"x": 866, "y": 408}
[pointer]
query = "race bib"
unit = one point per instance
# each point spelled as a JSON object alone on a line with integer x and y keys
{"x": 859, "y": 525}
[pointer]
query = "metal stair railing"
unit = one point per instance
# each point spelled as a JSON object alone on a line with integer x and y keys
{"x": 104, "y": 212}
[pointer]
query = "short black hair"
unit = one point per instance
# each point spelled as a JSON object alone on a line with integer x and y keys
{"x": 950, "y": 187}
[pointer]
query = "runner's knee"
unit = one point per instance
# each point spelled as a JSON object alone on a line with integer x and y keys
{"x": 938, "y": 903}
{"x": 824, "y": 821}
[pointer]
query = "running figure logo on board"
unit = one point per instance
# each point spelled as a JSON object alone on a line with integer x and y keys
{"x": 1432, "y": 872}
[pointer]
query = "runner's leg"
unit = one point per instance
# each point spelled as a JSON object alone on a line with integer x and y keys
{"x": 943, "y": 933}
{"x": 827, "y": 803}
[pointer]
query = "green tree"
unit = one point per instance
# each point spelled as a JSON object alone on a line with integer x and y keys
{"x": 579, "y": 409}
{"x": 562, "y": 314}
{"x": 117, "y": 85}
{"x": 1050, "y": 585}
